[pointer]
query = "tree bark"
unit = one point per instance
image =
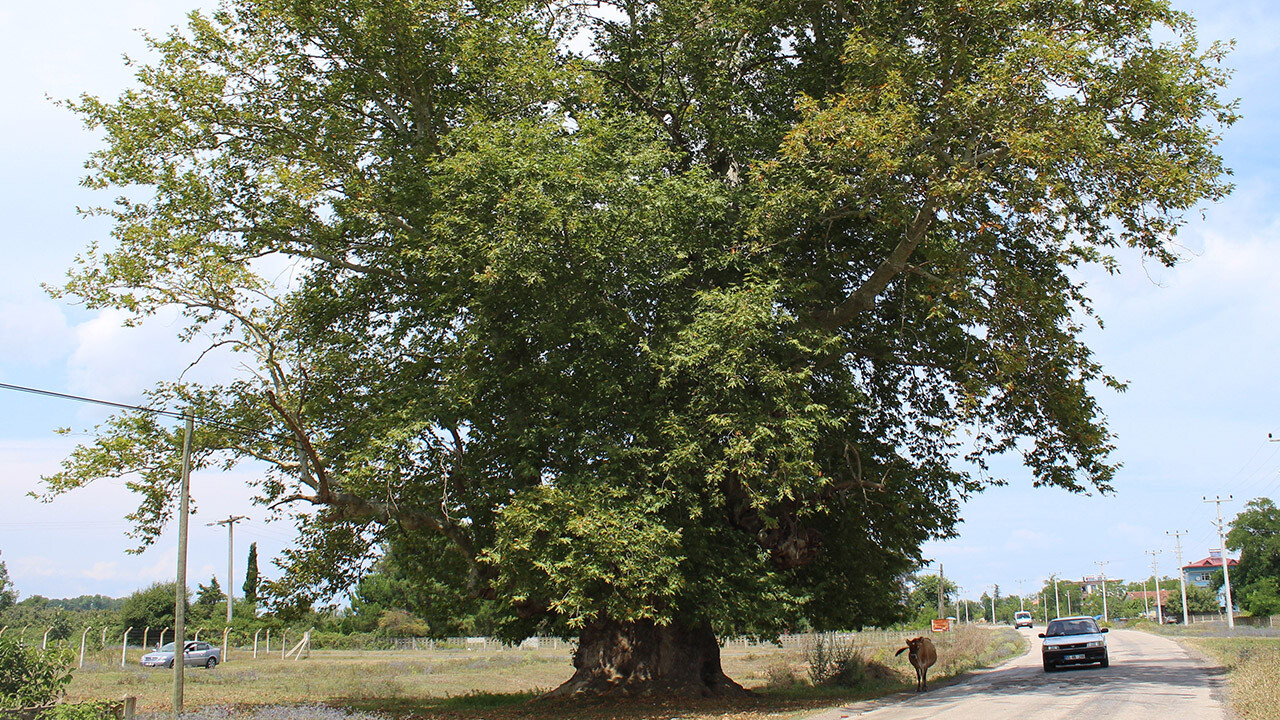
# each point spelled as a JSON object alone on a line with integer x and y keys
{"x": 643, "y": 658}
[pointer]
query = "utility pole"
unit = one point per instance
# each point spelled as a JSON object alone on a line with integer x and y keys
{"x": 1182, "y": 576}
{"x": 942, "y": 582}
{"x": 1102, "y": 567}
{"x": 1021, "y": 604}
{"x": 230, "y": 522}
{"x": 1226, "y": 574}
{"x": 1155, "y": 575}
{"x": 180, "y": 592}
{"x": 1057, "y": 606}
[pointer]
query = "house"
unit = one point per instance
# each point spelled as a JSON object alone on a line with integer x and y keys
{"x": 1149, "y": 597}
{"x": 1200, "y": 572}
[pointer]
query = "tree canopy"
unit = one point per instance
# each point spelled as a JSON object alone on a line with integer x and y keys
{"x": 1255, "y": 582}
{"x": 8, "y": 593}
{"x": 150, "y": 608}
{"x": 640, "y": 320}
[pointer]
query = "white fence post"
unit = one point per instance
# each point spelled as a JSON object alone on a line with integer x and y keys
{"x": 44, "y": 643}
{"x": 84, "y": 635}
{"x": 255, "y": 642}
{"x": 124, "y": 645}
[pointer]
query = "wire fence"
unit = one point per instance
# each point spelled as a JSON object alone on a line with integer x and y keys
{"x": 116, "y": 646}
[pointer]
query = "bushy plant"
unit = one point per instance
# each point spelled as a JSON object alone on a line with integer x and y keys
{"x": 79, "y": 711}
{"x": 30, "y": 676}
{"x": 832, "y": 662}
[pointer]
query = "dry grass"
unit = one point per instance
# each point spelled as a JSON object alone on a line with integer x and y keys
{"x": 505, "y": 684}
{"x": 1253, "y": 671}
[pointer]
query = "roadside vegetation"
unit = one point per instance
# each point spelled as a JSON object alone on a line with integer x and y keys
{"x": 460, "y": 684}
{"x": 1253, "y": 671}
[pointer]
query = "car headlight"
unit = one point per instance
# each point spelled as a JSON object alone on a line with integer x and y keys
{"x": 1093, "y": 644}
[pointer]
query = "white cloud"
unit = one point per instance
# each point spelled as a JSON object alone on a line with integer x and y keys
{"x": 102, "y": 570}
{"x": 33, "y": 332}
{"x": 32, "y": 565}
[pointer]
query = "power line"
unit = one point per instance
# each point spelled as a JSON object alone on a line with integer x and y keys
{"x": 205, "y": 420}
{"x": 94, "y": 401}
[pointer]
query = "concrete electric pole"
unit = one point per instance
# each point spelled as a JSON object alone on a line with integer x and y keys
{"x": 1222, "y": 544}
{"x": 1155, "y": 576}
{"x": 1057, "y": 606}
{"x": 230, "y": 522}
{"x": 942, "y": 583}
{"x": 1182, "y": 576}
{"x": 1102, "y": 567}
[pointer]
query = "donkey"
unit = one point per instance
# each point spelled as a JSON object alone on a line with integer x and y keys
{"x": 922, "y": 656}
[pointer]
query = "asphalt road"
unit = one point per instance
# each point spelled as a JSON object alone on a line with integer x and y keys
{"x": 1150, "y": 677}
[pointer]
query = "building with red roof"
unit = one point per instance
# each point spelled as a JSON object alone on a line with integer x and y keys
{"x": 1200, "y": 572}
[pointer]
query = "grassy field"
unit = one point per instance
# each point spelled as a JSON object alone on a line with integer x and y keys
{"x": 467, "y": 684}
{"x": 1253, "y": 672}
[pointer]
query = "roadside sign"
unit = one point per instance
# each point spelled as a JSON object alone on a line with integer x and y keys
{"x": 941, "y": 624}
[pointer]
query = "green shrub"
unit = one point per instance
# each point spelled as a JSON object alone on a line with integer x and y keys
{"x": 832, "y": 662}
{"x": 79, "y": 711}
{"x": 31, "y": 677}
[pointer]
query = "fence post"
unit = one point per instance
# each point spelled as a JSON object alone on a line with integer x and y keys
{"x": 84, "y": 635}
{"x": 284, "y": 645}
{"x": 103, "y": 642}
{"x": 124, "y": 645}
{"x": 255, "y": 642}
{"x": 44, "y": 643}
{"x": 130, "y": 707}
{"x": 268, "y": 648}
{"x": 225, "y": 650}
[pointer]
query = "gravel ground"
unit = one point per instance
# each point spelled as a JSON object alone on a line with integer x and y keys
{"x": 269, "y": 712}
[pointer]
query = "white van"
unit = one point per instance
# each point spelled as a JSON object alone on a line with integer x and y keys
{"x": 1022, "y": 618}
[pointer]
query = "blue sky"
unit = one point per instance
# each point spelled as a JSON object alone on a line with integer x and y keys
{"x": 1198, "y": 345}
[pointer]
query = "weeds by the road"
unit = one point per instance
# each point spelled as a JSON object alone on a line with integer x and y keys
{"x": 507, "y": 685}
{"x": 1253, "y": 672}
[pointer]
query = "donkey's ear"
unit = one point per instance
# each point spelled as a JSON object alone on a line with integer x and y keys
{"x": 899, "y": 652}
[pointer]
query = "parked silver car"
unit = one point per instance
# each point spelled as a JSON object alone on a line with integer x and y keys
{"x": 198, "y": 653}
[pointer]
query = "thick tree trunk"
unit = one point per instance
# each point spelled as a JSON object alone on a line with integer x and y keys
{"x": 642, "y": 658}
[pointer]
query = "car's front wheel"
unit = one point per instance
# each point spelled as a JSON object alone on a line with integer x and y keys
{"x": 211, "y": 663}
{"x": 170, "y": 665}
{"x": 1048, "y": 666}
{"x": 1106, "y": 661}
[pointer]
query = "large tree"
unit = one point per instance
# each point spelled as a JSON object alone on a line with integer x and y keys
{"x": 703, "y": 330}
{"x": 1255, "y": 582}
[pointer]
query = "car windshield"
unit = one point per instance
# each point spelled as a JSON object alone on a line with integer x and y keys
{"x": 167, "y": 647}
{"x": 1082, "y": 626}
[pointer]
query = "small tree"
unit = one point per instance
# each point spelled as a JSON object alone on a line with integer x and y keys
{"x": 1199, "y": 600}
{"x": 251, "y": 575}
{"x": 210, "y": 594}
{"x": 30, "y": 676}
{"x": 8, "y": 594}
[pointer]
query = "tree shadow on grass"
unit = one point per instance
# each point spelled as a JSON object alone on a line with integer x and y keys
{"x": 535, "y": 706}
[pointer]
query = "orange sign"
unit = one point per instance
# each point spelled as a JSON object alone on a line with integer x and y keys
{"x": 941, "y": 624}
